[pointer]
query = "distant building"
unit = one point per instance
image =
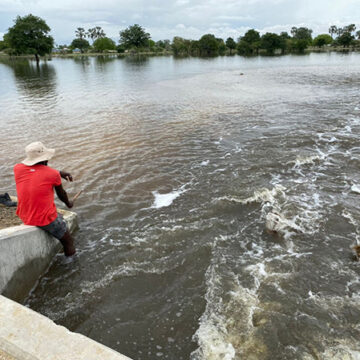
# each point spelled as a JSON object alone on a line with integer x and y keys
{"x": 76, "y": 51}
{"x": 55, "y": 51}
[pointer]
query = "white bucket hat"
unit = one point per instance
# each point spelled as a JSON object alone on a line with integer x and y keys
{"x": 37, "y": 152}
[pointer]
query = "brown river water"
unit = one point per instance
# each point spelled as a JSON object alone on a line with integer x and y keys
{"x": 182, "y": 161}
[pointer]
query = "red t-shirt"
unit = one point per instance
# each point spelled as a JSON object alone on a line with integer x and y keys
{"x": 35, "y": 191}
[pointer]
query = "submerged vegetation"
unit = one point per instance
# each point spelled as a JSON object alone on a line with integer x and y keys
{"x": 30, "y": 36}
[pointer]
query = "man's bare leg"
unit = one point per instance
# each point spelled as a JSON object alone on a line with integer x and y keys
{"x": 68, "y": 244}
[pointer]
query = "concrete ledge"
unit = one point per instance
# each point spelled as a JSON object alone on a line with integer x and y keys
{"x": 27, "y": 335}
{"x": 25, "y": 254}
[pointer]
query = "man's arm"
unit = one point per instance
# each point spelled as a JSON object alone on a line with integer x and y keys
{"x": 62, "y": 195}
{"x": 65, "y": 175}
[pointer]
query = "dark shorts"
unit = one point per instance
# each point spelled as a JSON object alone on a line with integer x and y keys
{"x": 57, "y": 228}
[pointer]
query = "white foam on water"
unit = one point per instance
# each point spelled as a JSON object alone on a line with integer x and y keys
{"x": 355, "y": 223}
{"x": 350, "y": 217}
{"x": 284, "y": 213}
{"x": 163, "y": 200}
{"x": 355, "y": 188}
{"x": 212, "y": 335}
{"x": 323, "y": 137}
{"x": 227, "y": 330}
{"x": 278, "y": 223}
{"x": 303, "y": 160}
{"x": 341, "y": 352}
{"x": 205, "y": 163}
{"x": 237, "y": 149}
{"x": 342, "y": 348}
{"x": 78, "y": 298}
{"x": 348, "y": 128}
{"x": 262, "y": 195}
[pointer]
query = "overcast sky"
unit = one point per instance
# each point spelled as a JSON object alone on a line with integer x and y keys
{"x": 164, "y": 19}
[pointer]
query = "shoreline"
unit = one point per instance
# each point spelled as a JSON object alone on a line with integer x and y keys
{"x": 170, "y": 53}
{"x": 77, "y": 55}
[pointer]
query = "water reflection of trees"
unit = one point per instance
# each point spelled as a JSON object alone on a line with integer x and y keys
{"x": 84, "y": 61}
{"x": 32, "y": 79}
{"x": 101, "y": 61}
{"x": 137, "y": 60}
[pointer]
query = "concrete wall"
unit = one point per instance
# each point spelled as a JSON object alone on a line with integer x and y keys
{"x": 27, "y": 335}
{"x": 25, "y": 254}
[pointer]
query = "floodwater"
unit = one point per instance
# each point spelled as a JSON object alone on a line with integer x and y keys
{"x": 182, "y": 163}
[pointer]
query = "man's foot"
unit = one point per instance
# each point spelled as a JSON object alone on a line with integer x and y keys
{"x": 69, "y": 259}
{"x": 5, "y": 199}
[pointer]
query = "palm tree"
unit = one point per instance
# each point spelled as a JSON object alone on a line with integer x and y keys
{"x": 80, "y": 33}
{"x": 350, "y": 28}
{"x": 339, "y": 31}
{"x": 95, "y": 33}
{"x": 91, "y": 33}
{"x": 333, "y": 30}
{"x": 99, "y": 32}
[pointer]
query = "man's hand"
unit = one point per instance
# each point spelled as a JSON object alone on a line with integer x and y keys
{"x": 70, "y": 204}
{"x": 67, "y": 176}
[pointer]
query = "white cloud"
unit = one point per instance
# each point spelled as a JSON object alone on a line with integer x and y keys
{"x": 190, "y": 19}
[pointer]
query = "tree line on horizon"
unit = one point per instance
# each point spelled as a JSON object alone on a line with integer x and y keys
{"x": 30, "y": 35}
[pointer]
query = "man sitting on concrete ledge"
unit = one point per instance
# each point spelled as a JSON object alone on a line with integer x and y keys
{"x": 35, "y": 183}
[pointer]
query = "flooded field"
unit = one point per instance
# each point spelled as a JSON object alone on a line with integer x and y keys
{"x": 183, "y": 162}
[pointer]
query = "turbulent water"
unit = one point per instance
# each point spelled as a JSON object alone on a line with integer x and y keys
{"x": 183, "y": 162}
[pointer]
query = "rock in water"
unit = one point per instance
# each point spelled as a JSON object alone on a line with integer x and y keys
{"x": 274, "y": 222}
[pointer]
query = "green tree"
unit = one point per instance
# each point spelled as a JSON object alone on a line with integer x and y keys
{"x": 181, "y": 46}
{"x": 80, "y": 43}
{"x": 134, "y": 36}
{"x": 222, "y": 46}
{"x": 151, "y": 45}
{"x": 251, "y": 36}
{"x": 298, "y": 45}
{"x": 249, "y": 43}
{"x": 3, "y": 45}
{"x": 285, "y": 35}
{"x": 270, "y": 42}
{"x": 322, "y": 39}
{"x": 163, "y": 44}
{"x": 194, "y": 48}
{"x": 29, "y": 35}
{"x": 345, "y": 39}
{"x": 231, "y": 44}
{"x": 208, "y": 45}
{"x": 358, "y": 34}
{"x": 244, "y": 48}
{"x": 120, "y": 49}
{"x": 167, "y": 44}
{"x": 104, "y": 43}
{"x": 302, "y": 33}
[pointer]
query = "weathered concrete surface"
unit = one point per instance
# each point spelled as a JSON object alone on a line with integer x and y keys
{"x": 25, "y": 254}
{"x": 27, "y": 335}
{"x": 4, "y": 356}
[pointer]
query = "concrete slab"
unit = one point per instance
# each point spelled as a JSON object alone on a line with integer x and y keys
{"x": 27, "y": 335}
{"x": 25, "y": 254}
{"x": 4, "y": 356}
